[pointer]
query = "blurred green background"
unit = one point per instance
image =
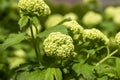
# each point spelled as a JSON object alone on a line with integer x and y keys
{"x": 9, "y": 17}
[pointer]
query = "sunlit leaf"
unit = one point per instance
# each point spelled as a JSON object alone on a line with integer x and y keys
{"x": 35, "y": 75}
{"x": 23, "y": 21}
{"x": 57, "y": 74}
{"x": 11, "y": 40}
{"x": 85, "y": 70}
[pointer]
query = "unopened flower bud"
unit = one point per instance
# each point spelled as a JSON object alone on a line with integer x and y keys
{"x": 117, "y": 38}
{"x": 35, "y": 30}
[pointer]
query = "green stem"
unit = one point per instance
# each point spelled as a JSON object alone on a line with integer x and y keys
{"x": 35, "y": 45}
{"x": 108, "y": 56}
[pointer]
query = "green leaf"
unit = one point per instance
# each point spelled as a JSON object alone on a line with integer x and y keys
{"x": 103, "y": 78}
{"x": 109, "y": 27}
{"x": 107, "y": 70}
{"x": 57, "y": 74}
{"x": 35, "y": 21}
{"x": 35, "y": 75}
{"x": 118, "y": 66}
{"x": 49, "y": 74}
{"x": 11, "y": 40}
{"x": 91, "y": 52}
{"x": 23, "y": 21}
{"x": 59, "y": 28}
{"x": 84, "y": 69}
{"x": 52, "y": 73}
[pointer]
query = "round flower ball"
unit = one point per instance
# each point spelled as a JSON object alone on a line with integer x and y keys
{"x": 116, "y": 19}
{"x": 53, "y": 20}
{"x": 117, "y": 38}
{"x": 71, "y": 15}
{"x": 95, "y": 36}
{"x": 59, "y": 45}
{"x": 74, "y": 28}
{"x": 117, "y": 11}
{"x": 92, "y": 18}
{"x": 109, "y": 11}
{"x": 34, "y": 7}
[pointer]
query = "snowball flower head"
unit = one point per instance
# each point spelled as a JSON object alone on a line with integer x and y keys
{"x": 74, "y": 28}
{"x": 34, "y": 7}
{"x": 91, "y": 18}
{"x": 95, "y": 36}
{"x": 59, "y": 45}
{"x": 53, "y": 20}
{"x": 117, "y": 11}
{"x": 117, "y": 38}
{"x": 116, "y": 19}
{"x": 109, "y": 11}
{"x": 71, "y": 16}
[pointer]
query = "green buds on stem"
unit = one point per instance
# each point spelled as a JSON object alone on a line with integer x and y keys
{"x": 117, "y": 38}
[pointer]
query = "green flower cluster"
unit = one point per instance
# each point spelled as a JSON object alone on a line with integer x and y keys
{"x": 75, "y": 29}
{"x": 112, "y": 12}
{"x": 92, "y": 18}
{"x": 53, "y": 20}
{"x": 34, "y": 7}
{"x": 71, "y": 16}
{"x": 95, "y": 37}
{"x": 59, "y": 45}
{"x": 117, "y": 38}
{"x": 109, "y": 11}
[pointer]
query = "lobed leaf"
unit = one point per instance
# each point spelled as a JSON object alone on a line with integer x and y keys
{"x": 48, "y": 74}
{"x": 87, "y": 71}
{"x": 11, "y": 40}
{"x": 35, "y": 75}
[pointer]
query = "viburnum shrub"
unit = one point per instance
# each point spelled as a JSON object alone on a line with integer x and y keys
{"x": 64, "y": 49}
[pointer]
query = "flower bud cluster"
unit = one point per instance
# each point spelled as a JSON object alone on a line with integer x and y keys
{"x": 113, "y": 13}
{"x": 74, "y": 28}
{"x": 53, "y": 20}
{"x": 95, "y": 36}
{"x": 117, "y": 38}
{"x": 36, "y": 30}
{"x": 34, "y": 7}
{"x": 92, "y": 18}
{"x": 59, "y": 45}
{"x": 71, "y": 15}
{"x": 109, "y": 11}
